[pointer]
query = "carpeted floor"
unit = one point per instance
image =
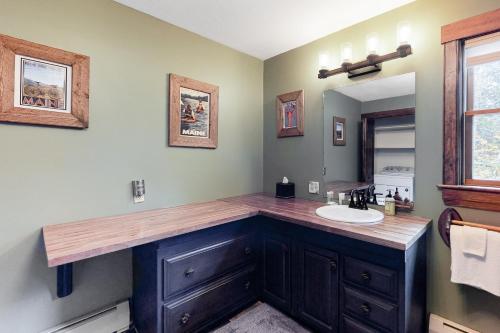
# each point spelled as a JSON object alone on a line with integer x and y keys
{"x": 261, "y": 318}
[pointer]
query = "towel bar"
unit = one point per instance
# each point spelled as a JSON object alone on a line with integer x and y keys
{"x": 450, "y": 216}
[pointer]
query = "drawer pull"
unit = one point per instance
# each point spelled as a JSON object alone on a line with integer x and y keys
{"x": 185, "y": 318}
{"x": 333, "y": 264}
{"x": 247, "y": 285}
{"x": 365, "y": 308}
{"x": 248, "y": 250}
{"x": 366, "y": 276}
{"x": 189, "y": 272}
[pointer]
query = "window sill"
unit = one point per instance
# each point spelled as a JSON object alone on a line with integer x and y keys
{"x": 476, "y": 197}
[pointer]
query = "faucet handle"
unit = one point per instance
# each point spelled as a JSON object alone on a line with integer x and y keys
{"x": 374, "y": 198}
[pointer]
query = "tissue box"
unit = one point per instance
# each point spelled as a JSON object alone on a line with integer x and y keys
{"x": 285, "y": 191}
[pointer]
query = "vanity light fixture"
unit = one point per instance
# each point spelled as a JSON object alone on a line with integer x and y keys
{"x": 373, "y": 62}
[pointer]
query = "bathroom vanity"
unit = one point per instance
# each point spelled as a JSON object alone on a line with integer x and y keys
{"x": 197, "y": 265}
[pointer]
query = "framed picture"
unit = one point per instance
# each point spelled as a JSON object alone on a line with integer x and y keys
{"x": 193, "y": 113}
{"x": 290, "y": 114}
{"x": 339, "y": 131}
{"x": 42, "y": 85}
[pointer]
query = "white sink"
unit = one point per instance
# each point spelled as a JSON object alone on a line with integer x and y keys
{"x": 343, "y": 213}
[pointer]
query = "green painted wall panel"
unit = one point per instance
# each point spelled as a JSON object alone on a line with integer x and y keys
{"x": 52, "y": 175}
{"x": 301, "y": 158}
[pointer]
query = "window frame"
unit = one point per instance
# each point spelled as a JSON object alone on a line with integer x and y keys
{"x": 456, "y": 190}
{"x": 469, "y": 112}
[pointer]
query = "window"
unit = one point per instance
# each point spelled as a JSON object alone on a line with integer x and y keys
{"x": 481, "y": 92}
{"x": 471, "y": 112}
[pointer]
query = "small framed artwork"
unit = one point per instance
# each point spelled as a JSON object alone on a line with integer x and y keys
{"x": 41, "y": 85}
{"x": 193, "y": 113}
{"x": 290, "y": 114}
{"x": 339, "y": 131}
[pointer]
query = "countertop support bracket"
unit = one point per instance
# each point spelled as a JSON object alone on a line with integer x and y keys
{"x": 64, "y": 280}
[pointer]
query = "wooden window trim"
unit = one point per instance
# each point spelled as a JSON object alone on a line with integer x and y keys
{"x": 478, "y": 194}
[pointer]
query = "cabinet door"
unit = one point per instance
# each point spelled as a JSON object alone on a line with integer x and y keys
{"x": 276, "y": 271}
{"x": 318, "y": 288}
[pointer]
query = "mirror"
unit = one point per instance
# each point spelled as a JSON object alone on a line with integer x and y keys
{"x": 369, "y": 138}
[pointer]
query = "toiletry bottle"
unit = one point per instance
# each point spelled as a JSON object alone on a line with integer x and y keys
{"x": 329, "y": 198}
{"x": 390, "y": 205}
{"x": 397, "y": 197}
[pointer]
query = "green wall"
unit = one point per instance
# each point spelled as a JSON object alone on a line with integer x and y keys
{"x": 52, "y": 175}
{"x": 301, "y": 158}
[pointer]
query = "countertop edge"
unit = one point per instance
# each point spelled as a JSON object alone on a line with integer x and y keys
{"x": 251, "y": 210}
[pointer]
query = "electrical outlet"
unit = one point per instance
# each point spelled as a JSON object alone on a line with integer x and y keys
{"x": 139, "y": 199}
{"x": 314, "y": 187}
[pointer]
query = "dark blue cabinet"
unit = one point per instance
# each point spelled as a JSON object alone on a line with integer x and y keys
{"x": 317, "y": 291}
{"x": 276, "y": 278}
{"x": 329, "y": 283}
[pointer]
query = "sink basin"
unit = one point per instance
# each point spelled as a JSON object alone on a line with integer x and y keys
{"x": 343, "y": 213}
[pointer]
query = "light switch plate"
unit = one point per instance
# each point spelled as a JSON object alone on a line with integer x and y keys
{"x": 313, "y": 187}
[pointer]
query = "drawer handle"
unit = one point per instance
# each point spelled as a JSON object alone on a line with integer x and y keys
{"x": 333, "y": 264}
{"x": 366, "y": 276}
{"x": 185, "y": 318}
{"x": 247, "y": 285}
{"x": 248, "y": 250}
{"x": 365, "y": 308}
{"x": 189, "y": 272}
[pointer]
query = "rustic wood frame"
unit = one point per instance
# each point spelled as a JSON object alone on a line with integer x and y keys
{"x": 453, "y": 37}
{"x": 368, "y": 137}
{"x": 175, "y": 138}
{"x": 338, "y": 142}
{"x": 280, "y": 100}
{"x": 80, "y": 64}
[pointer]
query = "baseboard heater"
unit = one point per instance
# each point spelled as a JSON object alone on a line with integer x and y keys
{"x": 108, "y": 320}
{"x": 441, "y": 325}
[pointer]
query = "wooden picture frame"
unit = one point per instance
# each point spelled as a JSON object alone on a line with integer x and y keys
{"x": 290, "y": 114}
{"x": 339, "y": 131}
{"x": 26, "y": 101}
{"x": 198, "y": 127}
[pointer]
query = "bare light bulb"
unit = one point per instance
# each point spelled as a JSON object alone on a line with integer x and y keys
{"x": 346, "y": 52}
{"x": 372, "y": 43}
{"x": 404, "y": 33}
{"x": 324, "y": 61}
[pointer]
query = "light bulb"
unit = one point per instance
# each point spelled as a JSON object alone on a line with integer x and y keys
{"x": 346, "y": 52}
{"x": 372, "y": 43}
{"x": 404, "y": 33}
{"x": 324, "y": 61}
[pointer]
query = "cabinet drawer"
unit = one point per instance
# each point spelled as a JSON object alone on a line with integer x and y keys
{"x": 373, "y": 277}
{"x": 208, "y": 304}
{"x": 189, "y": 269}
{"x": 350, "y": 325}
{"x": 370, "y": 309}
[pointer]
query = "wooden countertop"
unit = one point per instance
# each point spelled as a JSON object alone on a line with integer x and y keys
{"x": 70, "y": 242}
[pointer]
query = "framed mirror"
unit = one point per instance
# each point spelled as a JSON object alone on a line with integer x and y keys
{"x": 377, "y": 128}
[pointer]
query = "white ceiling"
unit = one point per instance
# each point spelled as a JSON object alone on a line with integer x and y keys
{"x": 263, "y": 28}
{"x": 393, "y": 86}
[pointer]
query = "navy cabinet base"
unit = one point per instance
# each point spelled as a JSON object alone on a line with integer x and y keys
{"x": 329, "y": 283}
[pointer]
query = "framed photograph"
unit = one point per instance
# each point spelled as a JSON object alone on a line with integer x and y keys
{"x": 193, "y": 113}
{"x": 42, "y": 85}
{"x": 339, "y": 131}
{"x": 290, "y": 114}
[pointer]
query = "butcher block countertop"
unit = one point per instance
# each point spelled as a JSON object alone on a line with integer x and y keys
{"x": 74, "y": 241}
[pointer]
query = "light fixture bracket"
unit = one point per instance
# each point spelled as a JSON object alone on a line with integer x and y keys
{"x": 364, "y": 71}
{"x": 372, "y": 64}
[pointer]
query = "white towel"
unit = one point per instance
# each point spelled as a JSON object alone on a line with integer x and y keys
{"x": 475, "y": 240}
{"x": 479, "y": 272}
